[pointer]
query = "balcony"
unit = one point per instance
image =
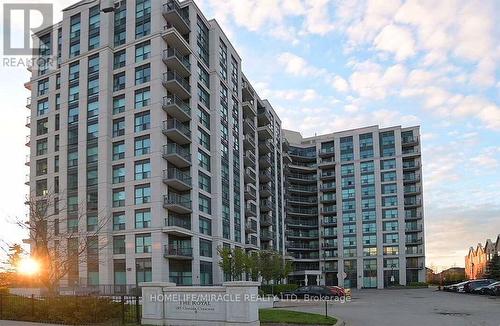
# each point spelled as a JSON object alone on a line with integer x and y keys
{"x": 177, "y": 60}
{"x": 329, "y": 234}
{"x": 249, "y": 158}
{"x": 250, "y": 192}
{"x": 330, "y": 186}
{"x": 176, "y": 131}
{"x": 28, "y": 103}
{"x": 176, "y": 252}
{"x": 412, "y": 202}
{"x": 177, "y": 179}
{"x": 175, "y": 40}
{"x": 413, "y": 241}
{"x": 247, "y": 90}
{"x": 266, "y": 235}
{"x": 265, "y": 132}
{"x": 28, "y": 141}
{"x": 416, "y": 265}
{"x": 329, "y": 210}
{"x": 248, "y": 126}
{"x": 251, "y": 227}
{"x": 303, "y": 200}
{"x": 411, "y": 178}
{"x": 328, "y": 199}
{"x": 250, "y": 210}
{"x": 410, "y": 215}
{"x": 326, "y": 162}
{"x": 265, "y": 176}
{"x": 302, "y": 211}
{"x": 28, "y": 121}
{"x": 327, "y": 175}
{"x": 414, "y": 251}
{"x": 286, "y": 158}
{"x": 292, "y": 245}
{"x": 250, "y": 175}
{"x": 409, "y": 141}
{"x": 326, "y": 152}
{"x": 249, "y": 108}
{"x": 176, "y": 108}
{"x": 264, "y": 116}
{"x": 413, "y": 228}
{"x": 177, "y": 203}
{"x": 266, "y": 205}
{"x": 249, "y": 141}
{"x": 303, "y": 177}
{"x": 411, "y": 165}
{"x": 302, "y": 188}
{"x": 178, "y": 225}
{"x": 412, "y": 190}
{"x": 309, "y": 223}
{"x": 330, "y": 269}
{"x": 177, "y": 155}
{"x": 302, "y": 234}
{"x": 266, "y": 220}
{"x": 265, "y": 146}
{"x": 176, "y": 16}
{"x": 27, "y": 160}
{"x": 328, "y": 244}
{"x": 176, "y": 84}
{"x": 251, "y": 243}
{"x": 328, "y": 221}
{"x": 265, "y": 161}
{"x": 265, "y": 190}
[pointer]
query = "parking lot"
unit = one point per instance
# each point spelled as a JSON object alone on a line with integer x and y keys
{"x": 408, "y": 307}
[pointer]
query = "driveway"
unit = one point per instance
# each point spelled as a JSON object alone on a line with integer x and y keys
{"x": 412, "y": 307}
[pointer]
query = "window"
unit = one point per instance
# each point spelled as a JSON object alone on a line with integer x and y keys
{"x": 42, "y": 107}
{"x": 391, "y": 238}
{"x": 92, "y": 109}
{"x": 74, "y": 71}
{"x": 203, "y": 97}
{"x": 388, "y": 176}
{"x": 120, "y": 23}
{"x": 389, "y": 188}
{"x": 142, "y": 121}
{"x": 118, "y": 104}
{"x": 119, "y": 221}
{"x": 41, "y": 146}
{"x": 206, "y": 277}
{"x": 367, "y": 179}
{"x": 143, "y": 271}
{"x": 118, "y": 173}
{"x": 142, "y": 170}
{"x": 390, "y": 226}
{"x": 204, "y": 139}
{"x": 119, "y": 59}
{"x": 391, "y": 251}
{"x": 203, "y": 76}
{"x": 74, "y": 36}
{"x": 120, "y": 272}
{"x": 389, "y": 213}
{"x": 119, "y": 81}
{"x": 205, "y": 226}
{"x": 204, "y": 204}
{"x": 367, "y": 166}
{"x": 119, "y": 197}
{"x": 204, "y": 118}
{"x": 142, "y": 18}
{"x": 93, "y": 87}
{"x": 41, "y": 167}
{"x": 91, "y": 222}
{"x": 74, "y": 94}
{"x": 142, "y": 74}
{"x": 91, "y": 177}
{"x": 204, "y": 181}
{"x": 142, "y": 98}
{"x": 205, "y": 248}
{"x": 43, "y": 87}
{"x": 72, "y": 159}
{"x": 42, "y": 126}
{"x": 93, "y": 64}
{"x": 94, "y": 21}
{"x": 142, "y": 51}
{"x": 142, "y": 194}
{"x": 369, "y": 240}
{"x": 142, "y": 218}
{"x": 389, "y": 201}
{"x": 119, "y": 244}
{"x": 92, "y": 130}
{"x": 142, "y": 243}
{"x": 388, "y": 164}
{"x": 118, "y": 127}
{"x": 58, "y": 101}
{"x": 142, "y": 145}
{"x": 204, "y": 160}
{"x": 41, "y": 187}
{"x": 118, "y": 150}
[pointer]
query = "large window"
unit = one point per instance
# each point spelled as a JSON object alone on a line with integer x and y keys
{"x": 205, "y": 226}
{"x": 205, "y": 248}
{"x": 142, "y": 121}
{"x": 142, "y": 194}
{"x": 119, "y": 150}
{"x": 142, "y": 98}
{"x": 204, "y": 160}
{"x": 119, "y": 197}
{"x": 119, "y": 244}
{"x": 119, "y": 81}
{"x": 142, "y": 51}
{"x": 204, "y": 181}
{"x": 142, "y": 18}
{"x": 142, "y": 218}
{"x": 142, "y": 74}
{"x": 118, "y": 104}
{"x": 119, "y": 59}
{"x": 120, "y": 23}
{"x": 204, "y": 204}
{"x": 119, "y": 221}
{"x": 143, "y": 270}
{"x": 118, "y": 173}
{"x": 142, "y": 243}
{"x": 142, "y": 170}
{"x": 142, "y": 145}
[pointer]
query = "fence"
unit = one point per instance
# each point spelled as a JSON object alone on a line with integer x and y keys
{"x": 72, "y": 310}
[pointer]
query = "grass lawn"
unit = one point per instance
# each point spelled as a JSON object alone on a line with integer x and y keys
{"x": 293, "y": 317}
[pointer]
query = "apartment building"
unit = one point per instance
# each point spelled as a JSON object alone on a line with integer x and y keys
{"x": 354, "y": 213}
{"x": 143, "y": 119}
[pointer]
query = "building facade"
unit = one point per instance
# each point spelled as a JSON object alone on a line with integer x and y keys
{"x": 145, "y": 121}
{"x": 478, "y": 258}
{"x": 153, "y": 146}
{"x": 354, "y": 207}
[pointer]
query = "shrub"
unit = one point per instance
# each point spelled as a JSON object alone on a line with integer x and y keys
{"x": 418, "y": 284}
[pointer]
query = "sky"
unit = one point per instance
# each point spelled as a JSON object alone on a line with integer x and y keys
{"x": 329, "y": 65}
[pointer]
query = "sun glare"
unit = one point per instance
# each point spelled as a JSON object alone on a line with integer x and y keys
{"x": 28, "y": 266}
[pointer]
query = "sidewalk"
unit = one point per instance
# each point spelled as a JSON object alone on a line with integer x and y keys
{"x": 22, "y": 323}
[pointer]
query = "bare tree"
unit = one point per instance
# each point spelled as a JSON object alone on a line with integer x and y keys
{"x": 57, "y": 239}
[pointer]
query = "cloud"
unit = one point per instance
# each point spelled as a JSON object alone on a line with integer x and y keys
{"x": 340, "y": 84}
{"x": 397, "y": 40}
{"x": 370, "y": 80}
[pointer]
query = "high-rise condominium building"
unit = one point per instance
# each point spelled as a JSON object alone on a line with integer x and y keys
{"x": 145, "y": 121}
{"x": 354, "y": 207}
{"x": 153, "y": 147}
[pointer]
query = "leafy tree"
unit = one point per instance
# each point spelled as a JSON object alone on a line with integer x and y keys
{"x": 493, "y": 268}
{"x": 239, "y": 261}
{"x": 266, "y": 263}
{"x": 252, "y": 265}
{"x": 225, "y": 262}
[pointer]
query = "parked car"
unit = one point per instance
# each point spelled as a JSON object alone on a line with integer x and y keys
{"x": 492, "y": 289}
{"x": 473, "y": 284}
{"x": 455, "y": 287}
{"x": 315, "y": 291}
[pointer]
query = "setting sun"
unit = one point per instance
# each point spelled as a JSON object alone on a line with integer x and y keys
{"x": 28, "y": 266}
